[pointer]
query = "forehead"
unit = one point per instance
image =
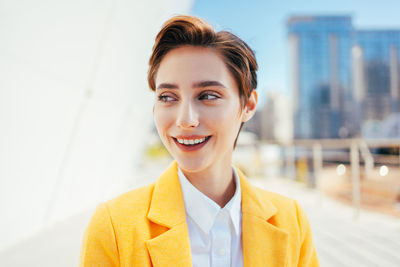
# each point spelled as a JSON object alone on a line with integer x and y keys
{"x": 191, "y": 64}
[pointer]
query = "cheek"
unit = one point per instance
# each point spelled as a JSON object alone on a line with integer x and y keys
{"x": 161, "y": 120}
{"x": 226, "y": 117}
{"x": 230, "y": 111}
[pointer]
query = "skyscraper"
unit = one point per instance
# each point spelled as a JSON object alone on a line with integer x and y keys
{"x": 320, "y": 67}
{"x": 376, "y": 56}
{"x": 345, "y": 81}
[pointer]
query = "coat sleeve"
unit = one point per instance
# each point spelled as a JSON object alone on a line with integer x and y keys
{"x": 99, "y": 245}
{"x": 308, "y": 254}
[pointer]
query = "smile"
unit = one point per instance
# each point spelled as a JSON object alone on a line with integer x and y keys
{"x": 191, "y": 141}
{"x": 187, "y": 145}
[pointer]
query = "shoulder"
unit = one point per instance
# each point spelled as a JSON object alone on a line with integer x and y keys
{"x": 277, "y": 199}
{"x": 281, "y": 202}
{"x": 289, "y": 211}
{"x": 110, "y": 230}
{"x": 134, "y": 196}
{"x": 291, "y": 218}
{"x": 129, "y": 206}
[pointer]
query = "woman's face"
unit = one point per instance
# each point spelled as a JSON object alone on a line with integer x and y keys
{"x": 197, "y": 108}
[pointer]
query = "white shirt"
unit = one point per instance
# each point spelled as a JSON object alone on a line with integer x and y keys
{"x": 214, "y": 232}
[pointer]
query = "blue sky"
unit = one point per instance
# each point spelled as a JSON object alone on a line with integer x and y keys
{"x": 262, "y": 25}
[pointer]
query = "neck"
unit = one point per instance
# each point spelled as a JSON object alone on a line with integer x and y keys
{"x": 216, "y": 182}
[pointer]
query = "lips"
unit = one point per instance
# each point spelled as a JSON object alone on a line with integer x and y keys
{"x": 189, "y": 143}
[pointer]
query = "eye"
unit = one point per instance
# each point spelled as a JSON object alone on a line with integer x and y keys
{"x": 209, "y": 96}
{"x": 165, "y": 98}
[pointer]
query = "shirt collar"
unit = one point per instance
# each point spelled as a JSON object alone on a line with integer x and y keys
{"x": 203, "y": 210}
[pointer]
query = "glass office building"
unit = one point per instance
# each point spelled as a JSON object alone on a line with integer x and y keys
{"x": 345, "y": 81}
{"x": 320, "y": 55}
{"x": 377, "y": 59}
{"x": 378, "y": 86}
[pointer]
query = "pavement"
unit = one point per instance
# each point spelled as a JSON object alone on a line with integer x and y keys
{"x": 372, "y": 239}
{"x": 342, "y": 238}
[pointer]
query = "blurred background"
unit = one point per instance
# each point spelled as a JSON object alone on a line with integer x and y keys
{"x": 76, "y": 123}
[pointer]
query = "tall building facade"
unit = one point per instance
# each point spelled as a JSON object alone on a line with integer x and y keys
{"x": 376, "y": 81}
{"x": 342, "y": 78}
{"x": 320, "y": 67}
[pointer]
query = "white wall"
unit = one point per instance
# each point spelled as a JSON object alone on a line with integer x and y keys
{"x": 74, "y": 104}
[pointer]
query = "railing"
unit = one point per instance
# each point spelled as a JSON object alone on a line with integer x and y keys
{"x": 356, "y": 147}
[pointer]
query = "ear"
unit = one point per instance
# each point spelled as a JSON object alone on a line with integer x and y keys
{"x": 251, "y": 106}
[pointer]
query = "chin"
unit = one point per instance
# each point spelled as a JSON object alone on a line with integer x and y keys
{"x": 191, "y": 165}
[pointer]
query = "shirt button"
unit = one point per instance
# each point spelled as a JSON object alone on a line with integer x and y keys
{"x": 221, "y": 252}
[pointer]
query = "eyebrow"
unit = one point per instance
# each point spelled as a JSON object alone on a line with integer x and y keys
{"x": 167, "y": 86}
{"x": 207, "y": 83}
{"x": 194, "y": 85}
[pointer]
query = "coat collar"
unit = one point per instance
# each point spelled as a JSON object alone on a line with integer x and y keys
{"x": 167, "y": 208}
{"x": 263, "y": 243}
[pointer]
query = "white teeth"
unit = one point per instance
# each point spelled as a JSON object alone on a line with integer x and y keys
{"x": 197, "y": 141}
{"x": 191, "y": 141}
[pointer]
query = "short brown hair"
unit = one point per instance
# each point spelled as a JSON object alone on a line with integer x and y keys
{"x": 188, "y": 30}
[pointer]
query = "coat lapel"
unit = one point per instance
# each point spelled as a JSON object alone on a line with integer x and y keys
{"x": 263, "y": 243}
{"x": 167, "y": 208}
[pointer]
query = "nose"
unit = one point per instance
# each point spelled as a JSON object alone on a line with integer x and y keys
{"x": 187, "y": 115}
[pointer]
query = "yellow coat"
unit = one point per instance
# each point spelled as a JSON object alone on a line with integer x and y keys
{"x": 147, "y": 227}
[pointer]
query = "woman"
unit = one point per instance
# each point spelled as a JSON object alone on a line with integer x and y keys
{"x": 201, "y": 211}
